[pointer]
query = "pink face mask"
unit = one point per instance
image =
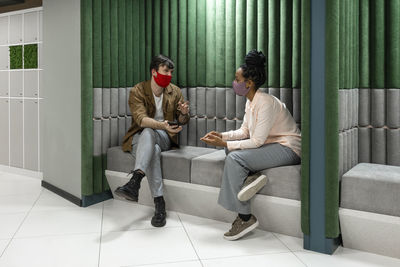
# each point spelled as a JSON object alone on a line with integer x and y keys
{"x": 240, "y": 88}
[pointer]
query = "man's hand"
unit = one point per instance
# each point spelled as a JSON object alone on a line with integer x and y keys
{"x": 214, "y": 139}
{"x": 172, "y": 128}
{"x": 183, "y": 107}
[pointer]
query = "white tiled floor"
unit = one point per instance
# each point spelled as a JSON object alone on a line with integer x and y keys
{"x": 39, "y": 228}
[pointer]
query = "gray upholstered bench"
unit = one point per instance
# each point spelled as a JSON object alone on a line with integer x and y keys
{"x": 192, "y": 178}
{"x": 370, "y": 208}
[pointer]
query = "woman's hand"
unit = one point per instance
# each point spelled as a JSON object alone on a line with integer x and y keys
{"x": 214, "y": 133}
{"x": 214, "y": 139}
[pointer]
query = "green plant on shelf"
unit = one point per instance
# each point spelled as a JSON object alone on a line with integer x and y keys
{"x": 16, "y": 57}
{"x": 30, "y": 56}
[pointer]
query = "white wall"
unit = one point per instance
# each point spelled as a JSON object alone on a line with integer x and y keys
{"x": 61, "y": 128}
{"x": 20, "y": 93}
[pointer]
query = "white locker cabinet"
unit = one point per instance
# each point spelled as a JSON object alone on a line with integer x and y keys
{"x": 16, "y": 83}
{"x": 31, "y": 135}
{"x": 40, "y": 25}
{"x": 4, "y": 83}
{"x": 16, "y": 133}
{"x": 4, "y": 131}
{"x": 4, "y": 58}
{"x": 16, "y": 29}
{"x": 3, "y": 30}
{"x": 31, "y": 83}
{"x": 31, "y": 21}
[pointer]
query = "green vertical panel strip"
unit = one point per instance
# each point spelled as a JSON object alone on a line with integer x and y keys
{"x": 251, "y": 25}
{"x": 192, "y": 43}
{"x": 305, "y": 114}
{"x": 332, "y": 119}
{"x": 129, "y": 44}
{"x": 97, "y": 82}
{"x": 351, "y": 33}
{"x": 86, "y": 98}
{"x": 286, "y": 44}
{"x": 341, "y": 44}
{"x": 97, "y": 43}
{"x": 393, "y": 59}
{"x": 148, "y": 35}
{"x": 358, "y": 45}
{"x": 296, "y": 44}
{"x": 182, "y": 43}
{"x": 378, "y": 44}
{"x": 230, "y": 37}
{"x": 165, "y": 28}
{"x": 136, "y": 41}
{"x": 210, "y": 43}
{"x": 106, "y": 43}
{"x": 105, "y": 182}
{"x": 346, "y": 45}
{"x": 201, "y": 43}
{"x": 262, "y": 29}
{"x": 121, "y": 44}
{"x": 156, "y": 27}
{"x": 273, "y": 43}
{"x": 352, "y": 43}
{"x": 15, "y": 57}
{"x": 240, "y": 32}
{"x": 173, "y": 38}
{"x": 97, "y": 174}
{"x": 114, "y": 44}
{"x": 220, "y": 43}
{"x": 142, "y": 42}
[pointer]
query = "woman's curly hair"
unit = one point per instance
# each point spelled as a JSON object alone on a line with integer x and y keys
{"x": 254, "y": 67}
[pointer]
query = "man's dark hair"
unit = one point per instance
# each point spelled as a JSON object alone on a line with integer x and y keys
{"x": 161, "y": 60}
{"x": 254, "y": 67}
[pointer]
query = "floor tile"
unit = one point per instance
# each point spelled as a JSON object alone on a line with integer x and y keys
{"x": 121, "y": 216}
{"x": 61, "y": 222}
{"x": 293, "y": 243}
{"x": 71, "y": 250}
{"x": 17, "y": 204}
{"x": 209, "y": 242}
{"x": 12, "y": 184}
{"x": 51, "y": 201}
{"x": 3, "y": 245}
{"x": 9, "y": 224}
{"x": 344, "y": 257}
{"x": 269, "y": 260}
{"x": 150, "y": 246}
{"x": 174, "y": 264}
{"x": 195, "y": 220}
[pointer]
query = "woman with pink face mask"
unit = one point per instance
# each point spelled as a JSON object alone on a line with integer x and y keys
{"x": 267, "y": 138}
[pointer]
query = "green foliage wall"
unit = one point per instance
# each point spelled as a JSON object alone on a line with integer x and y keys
{"x": 16, "y": 57}
{"x": 30, "y": 56}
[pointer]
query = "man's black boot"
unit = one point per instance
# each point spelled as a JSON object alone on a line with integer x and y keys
{"x": 130, "y": 190}
{"x": 159, "y": 218}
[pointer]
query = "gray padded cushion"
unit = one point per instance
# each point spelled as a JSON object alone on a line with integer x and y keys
{"x": 176, "y": 164}
{"x": 372, "y": 188}
{"x": 118, "y": 160}
{"x": 207, "y": 169}
{"x": 282, "y": 181}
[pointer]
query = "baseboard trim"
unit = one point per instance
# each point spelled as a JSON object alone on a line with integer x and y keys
{"x": 96, "y": 198}
{"x": 76, "y": 200}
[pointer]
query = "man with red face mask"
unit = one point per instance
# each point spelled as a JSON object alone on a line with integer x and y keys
{"x": 153, "y": 104}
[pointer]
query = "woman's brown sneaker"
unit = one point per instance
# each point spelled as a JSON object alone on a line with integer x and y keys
{"x": 251, "y": 186}
{"x": 240, "y": 228}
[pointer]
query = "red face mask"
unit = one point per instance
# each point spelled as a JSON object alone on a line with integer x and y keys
{"x": 162, "y": 80}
